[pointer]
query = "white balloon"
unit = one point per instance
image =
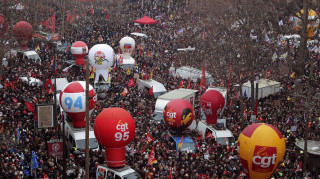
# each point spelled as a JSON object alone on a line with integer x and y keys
{"x": 127, "y": 45}
{"x": 101, "y": 57}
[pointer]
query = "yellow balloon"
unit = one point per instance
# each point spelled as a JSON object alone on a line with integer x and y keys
{"x": 261, "y": 148}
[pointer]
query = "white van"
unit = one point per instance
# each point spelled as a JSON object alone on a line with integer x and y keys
{"x": 222, "y": 135}
{"x": 118, "y": 173}
{"x": 158, "y": 88}
{"x": 76, "y": 137}
{"x": 31, "y": 55}
{"x": 32, "y": 81}
{"x": 188, "y": 72}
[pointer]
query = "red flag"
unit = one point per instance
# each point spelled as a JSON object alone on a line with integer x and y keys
{"x": 203, "y": 83}
{"x": 68, "y": 17}
{"x": 45, "y": 176}
{"x": 151, "y": 91}
{"x": 152, "y": 159}
{"x": 170, "y": 175}
{"x": 222, "y": 82}
{"x": 6, "y": 85}
{"x": 13, "y": 85}
{"x": 15, "y": 100}
{"x": 50, "y": 23}
{"x": 267, "y": 74}
{"x": 189, "y": 84}
{"x": 107, "y": 16}
{"x": 237, "y": 95}
{"x": 230, "y": 103}
{"x": 29, "y": 106}
{"x": 209, "y": 135}
{"x": 125, "y": 91}
{"x": 181, "y": 83}
{"x": 149, "y": 138}
{"x": 49, "y": 86}
{"x": 131, "y": 82}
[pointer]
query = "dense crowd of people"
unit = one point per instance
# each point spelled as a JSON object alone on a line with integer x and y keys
{"x": 20, "y": 137}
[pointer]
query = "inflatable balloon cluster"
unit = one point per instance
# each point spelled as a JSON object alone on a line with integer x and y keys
{"x": 73, "y": 102}
{"x": 101, "y": 57}
{"x": 178, "y": 114}
{"x": 114, "y": 128}
{"x": 261, "y": 148}
{"x": 212, "y": 102}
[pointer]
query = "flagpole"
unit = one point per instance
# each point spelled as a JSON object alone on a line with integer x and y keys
{"x": 87, "y": 121}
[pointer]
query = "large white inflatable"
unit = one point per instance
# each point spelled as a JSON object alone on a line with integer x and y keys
{"x": 127, "y": 45}
{"x": 101, "y": 57}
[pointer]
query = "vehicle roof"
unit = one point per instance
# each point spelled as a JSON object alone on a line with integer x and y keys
{"x": 61, "y": 83}
{"x": 31, "y": 79}
{"x": 157, "y": 86}
{"x": 177, "y": 94}
{"x": 80, "y": 133}
{"x": 263, "y": 83}
{"x": 121, "y": 171}
{"x": 30, "y": 52}
{"x": 193, "y": 70}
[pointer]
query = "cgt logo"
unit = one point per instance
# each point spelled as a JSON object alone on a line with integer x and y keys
{"x": 264, "y": 159}
{"x": 206, "y": 107}
{"x": 170, "y": 114}
{"x": 122, "y": 126}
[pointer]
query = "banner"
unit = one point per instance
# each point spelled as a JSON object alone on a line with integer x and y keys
{"x": 152, "y": 158}
{"x": 55, "y": 148}
{"x": 149, "y": 138}
{"x": 29, "y": 106}
{"x": 45, "y": 116}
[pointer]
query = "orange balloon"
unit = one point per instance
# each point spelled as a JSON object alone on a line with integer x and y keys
{"x": 261, "y": 148}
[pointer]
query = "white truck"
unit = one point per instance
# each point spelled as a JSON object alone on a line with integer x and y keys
{"x": 105, "y": 172}
{"x": 219, "y": 132}
{"x": 163, "y": 100}
{"x": 188, "y": 72}
{"x": 76, "y": 137}
{"x": 158, "y": 88}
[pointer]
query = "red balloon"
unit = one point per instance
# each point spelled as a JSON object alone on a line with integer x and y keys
{"x": 23, "y": 32}
{"x": 114, "y": 128}
{"x": 3, "y": 24}
{"x": 178, "y": 114}
{"x": 212, "y": 103}
{"x": 79, "y": 50}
